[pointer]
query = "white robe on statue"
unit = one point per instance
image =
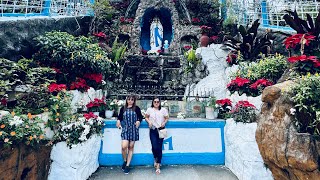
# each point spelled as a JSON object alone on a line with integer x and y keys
{"x": 156, "y": 35}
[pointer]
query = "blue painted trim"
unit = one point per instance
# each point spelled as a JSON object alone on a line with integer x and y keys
{"x": 223, "y": 9}
{"x": 264, "y": 13}
{"x": 168, "y": 159}
{"x": 46, "y": 8}
{"x": 21, "y": 14}
{"x": 279, "y": 27}
{"x": 178, "y": 124}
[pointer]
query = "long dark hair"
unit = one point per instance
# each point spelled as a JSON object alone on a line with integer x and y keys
{"x": 153, "y": 102}
{"x": 134, "y": 102}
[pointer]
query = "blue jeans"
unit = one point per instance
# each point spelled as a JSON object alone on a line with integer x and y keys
{"x": 156, "y": 144}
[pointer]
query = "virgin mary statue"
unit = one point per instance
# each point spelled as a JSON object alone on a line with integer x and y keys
{"x": 156, "y": 34}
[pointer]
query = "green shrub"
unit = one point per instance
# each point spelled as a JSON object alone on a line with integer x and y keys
{"x": 271, "y": 68}
{"x": 305, "y": 95}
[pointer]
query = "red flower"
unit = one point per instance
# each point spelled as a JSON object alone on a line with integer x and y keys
{"x": 293, "y": 40}
{"x": 89, "y": 115}
{"x": 96, "y": 77}
{"x": 304, "y": 58}
{"x": 187, "y": 47}
{"x": 213, "y": 38}
{"x": 96, "y": 104}
{"x": 261, "y": 82}
{"x": 122, "y": 19}
{"x": 223, "y": 102}
{"x": 231, "y": 58}
{"x": 239, "y": 82}
{"x": 4, "y": 101}
{"x": 79, "y": 84}
{"x": 244, "y": 104}
{"x": 53, "y": 87}
{"x": 100, "y": 35}
{"x": 195, "y": 20}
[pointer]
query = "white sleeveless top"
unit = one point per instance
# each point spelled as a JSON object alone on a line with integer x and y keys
{"x": 157, "y": 116}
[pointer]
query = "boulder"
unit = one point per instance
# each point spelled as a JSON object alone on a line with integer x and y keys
{"x": 287, "y": 153}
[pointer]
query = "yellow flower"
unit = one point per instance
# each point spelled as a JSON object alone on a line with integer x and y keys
{"x": 29, "y": 116}
{"x": 30, "y": 138}
{"x": 2, "y": 126}
{"x": 68, "y": 43}
{"x": 308, "y": 74}
{"x": 13, "y": 133}
{"x": 58, "y": 96}
{"x": 12, "y": 113}
{"x": 57, "y": 106}
{"x": 41, "y": 136}
{"x": 1, "y": 133}
{"x": 58, "y": 114}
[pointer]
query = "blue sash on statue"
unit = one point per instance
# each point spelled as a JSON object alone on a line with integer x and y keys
{"x": 156, "y": 36}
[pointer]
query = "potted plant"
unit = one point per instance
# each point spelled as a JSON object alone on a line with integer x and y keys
{"x": 96, "y": 106}
{"x": 211, "y": 112}
{"x": 112, "y": 107}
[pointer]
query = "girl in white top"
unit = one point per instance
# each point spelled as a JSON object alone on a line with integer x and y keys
{"x": 156, "y": 117}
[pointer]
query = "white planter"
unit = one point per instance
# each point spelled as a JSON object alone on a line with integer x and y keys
{"x": 108, "y": 114}
{"x": 77, "y": 163}
{"x": 211, "y": 113}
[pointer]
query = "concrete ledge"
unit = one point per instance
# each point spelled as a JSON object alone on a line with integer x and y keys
{"x": 189, "y": 142}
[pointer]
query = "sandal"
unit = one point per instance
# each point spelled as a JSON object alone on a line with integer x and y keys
{"x": 158, "y": 171}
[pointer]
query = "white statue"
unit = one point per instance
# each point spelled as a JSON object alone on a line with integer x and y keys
{"x": 156, "y": 34}
{"x": 166, "y": 47}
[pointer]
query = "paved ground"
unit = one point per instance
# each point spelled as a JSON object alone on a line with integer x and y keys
{"x": 181, "y": 172}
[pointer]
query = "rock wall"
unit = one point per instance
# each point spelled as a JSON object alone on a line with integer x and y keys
{"x": 242, "y": 154}
{"x": 287, "y": 153}
{"x": 16, "y": 34}
{"x": 23, "y": 162}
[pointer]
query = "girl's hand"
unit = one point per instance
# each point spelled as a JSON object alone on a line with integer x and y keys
{"x": 137, "y": 124}
{"x": 163, "y": 124}
{"x": 118, "y": 124}
{"x": 150, "y": 124}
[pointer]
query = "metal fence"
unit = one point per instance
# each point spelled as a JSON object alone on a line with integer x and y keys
{"x": 9, "y": 8}
{"x": 270, "y": 12}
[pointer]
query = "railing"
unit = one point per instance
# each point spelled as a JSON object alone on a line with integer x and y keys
{"x": 10, "y": 8}
{"x": 148, "y": 92}
{"x": 270, "y": 12}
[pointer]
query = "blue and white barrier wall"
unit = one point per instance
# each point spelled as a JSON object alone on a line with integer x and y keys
{"x": 188, "y": 142}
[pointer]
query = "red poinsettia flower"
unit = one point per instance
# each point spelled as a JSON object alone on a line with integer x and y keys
{"x": 95, "y": 77}
{"x": 244, "y": 104}
{"x": 79, "y": 84}
{"x": 53, "y": 87}
{"x": 195, "y": 20}
{"x": 239, "y": 82}
{"x": 4, "y": 101}
{"x": 100, "y": 35}
{"x": 293, "y": 40}
{"x": 122, "y": 19}
{"x": 89, "y": 115}
{"x": 304, "y": 58}
{"x": 231, "y": 58}
{"x": 187, "y": 47}
{"x": 223, "y": 102}
{"x": 261, "y": 83}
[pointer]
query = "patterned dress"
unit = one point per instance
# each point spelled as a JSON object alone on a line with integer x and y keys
{"x": 129, "y": 130}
